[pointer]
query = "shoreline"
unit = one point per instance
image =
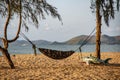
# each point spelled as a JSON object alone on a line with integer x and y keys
{"x": 74, "y": 53}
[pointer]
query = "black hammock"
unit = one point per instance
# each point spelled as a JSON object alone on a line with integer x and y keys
{"x": 57, "y": 54}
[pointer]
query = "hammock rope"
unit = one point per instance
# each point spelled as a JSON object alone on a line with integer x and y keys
{"x": 57, "y": 54}
{"x": 84, "y": 42}
{"x": 33, "y": 45}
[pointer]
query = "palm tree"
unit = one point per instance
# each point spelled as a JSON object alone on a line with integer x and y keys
{"x": 27, "y": 10}
{"x": 105, "y": 9}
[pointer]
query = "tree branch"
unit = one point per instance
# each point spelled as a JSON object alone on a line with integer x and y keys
{"x": 8, "y": 19}
{"x": 19, "y": 26}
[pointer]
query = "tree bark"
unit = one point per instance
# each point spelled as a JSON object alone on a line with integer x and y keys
{"x": 19, "y": 25}
{"x": 6, "y": 54}
{"x": 98, "y": 29}
{"x": 7, "y": 57}
{"x": 5, "y": 40}
{"x": 8, "y": 19}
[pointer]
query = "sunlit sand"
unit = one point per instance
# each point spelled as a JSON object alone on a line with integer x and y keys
{"x": 41, "y": 67}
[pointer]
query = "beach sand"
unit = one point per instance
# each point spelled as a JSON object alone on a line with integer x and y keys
{"x": 40, "y": 67}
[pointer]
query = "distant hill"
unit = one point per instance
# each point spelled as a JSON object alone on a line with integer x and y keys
{"x": 23, "y": 42}
{"x": 105, "y": 39}
{"x": 57, "y": 43}
{"x": 42, "y": 42}
{"x": 37, "y": 42}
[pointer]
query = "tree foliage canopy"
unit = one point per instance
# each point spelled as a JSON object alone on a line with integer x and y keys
{"x": 107, "y": 8}
{"x": 31, "y": 9}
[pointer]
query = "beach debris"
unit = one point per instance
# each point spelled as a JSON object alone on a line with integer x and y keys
{"x": 95, "y": 60}
{"x": 14, "y": 55}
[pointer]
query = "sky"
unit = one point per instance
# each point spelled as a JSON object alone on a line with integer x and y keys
{"x": 77, "y": 18}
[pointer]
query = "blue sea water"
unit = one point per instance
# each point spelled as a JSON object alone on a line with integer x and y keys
{"x": 27, "y": 48}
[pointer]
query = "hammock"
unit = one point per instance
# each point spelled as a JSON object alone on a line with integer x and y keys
{"x": 55, "y": 54}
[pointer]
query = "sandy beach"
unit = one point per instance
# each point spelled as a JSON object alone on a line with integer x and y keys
{"x": 40, "y": 67}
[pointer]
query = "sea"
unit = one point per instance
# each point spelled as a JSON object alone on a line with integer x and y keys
{"x": 27, "y": 48}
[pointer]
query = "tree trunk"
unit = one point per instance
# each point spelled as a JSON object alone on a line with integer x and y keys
{"x": 5, "y": 40}
{"x": 4, "y": 50}
{"x": 7, "y": 57}
{"x": 6, "y": 54}
{"x": 98, "y": 29}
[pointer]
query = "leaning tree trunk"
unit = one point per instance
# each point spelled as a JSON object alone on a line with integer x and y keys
{"x": 4, "y": 49}
{"x": 98, "y": 29}
{"x": 5, "y": 40}
{"x": 6, "y": 53}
